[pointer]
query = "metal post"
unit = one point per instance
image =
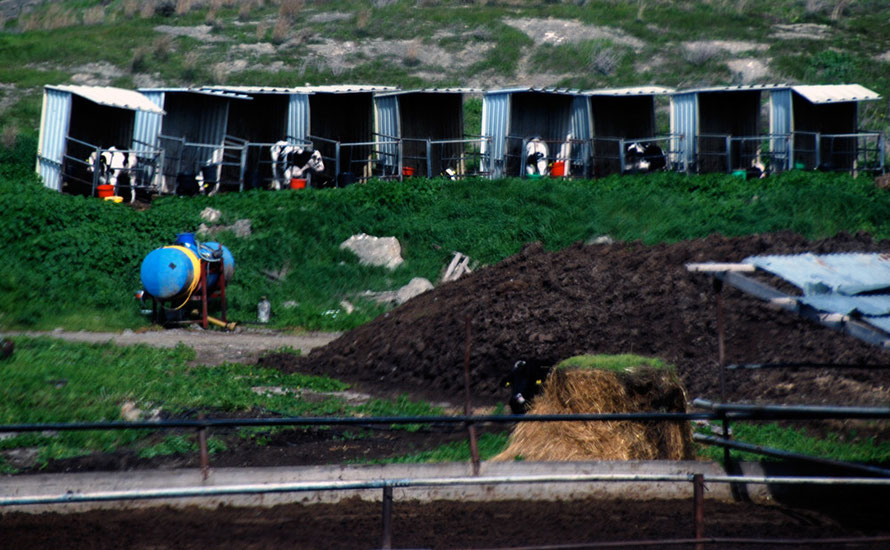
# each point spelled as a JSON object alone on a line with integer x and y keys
{"x": 243, "y": 168}
{"x": 337, "y": 164}
{"x": 203, "y": 294}
{"x": 698, "y": 492}
{"x": 386, "y": 542}
{"x": 96, "y": 163}
{"x": 789, "y": 153}
{"x": 429, "y": 158}
{"x": 471, "y": 429}
{"x": 202, "y": 444}
{"x": 721, "y": 362}
{"x": 222, "y": 288}
{"x": 401, "y": 163}
{"x": 523, "y": 158}
{"x": 818, "y": 148}
{"x": 621, "y": 159}
{"x": 728, "y": 154}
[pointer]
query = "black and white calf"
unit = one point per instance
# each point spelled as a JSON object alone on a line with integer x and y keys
{"x": 293, "y": 161}
{"x": 116, "y": 167}
{"x": 536, "y": 153}
{"x": 643, "y": 156}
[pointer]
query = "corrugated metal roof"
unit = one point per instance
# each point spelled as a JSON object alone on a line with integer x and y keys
{"x": 849, "y": 305}
{"x": 252, "y": 89}
{"x": 635, "y": 90}
{"x": 327, "y": 89}
{"x": 851, "y": 284}
{"x": 346, "y": 88}
{"x": 205, "y": 91}
{"x": 836, "y": 93}
{"x": 112, "y": 97}
{"x": 433, "y": 91}
{"x": 751, "y": 87}
{"x": 840, "y": 274}
{"x": 564, "y": 91}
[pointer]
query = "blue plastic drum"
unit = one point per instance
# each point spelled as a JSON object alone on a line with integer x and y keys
{"x": 167, "y": 272}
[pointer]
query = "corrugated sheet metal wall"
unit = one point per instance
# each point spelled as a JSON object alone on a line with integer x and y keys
{"x": 197, "y": 118}
{"x": 148, "y": 125}
{"x": 495, "y": 125}
{"x": 386, "y": 123}
{"x": 780, "y": 117}
{"x": 298, "y": 117}
{"x": 684, "y": 122}
{"x": 54, "y": 122}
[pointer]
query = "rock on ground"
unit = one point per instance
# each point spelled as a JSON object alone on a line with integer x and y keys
{"x": 378, "y": 251}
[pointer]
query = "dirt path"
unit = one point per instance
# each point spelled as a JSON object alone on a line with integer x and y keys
{"x": 213, "y": 347}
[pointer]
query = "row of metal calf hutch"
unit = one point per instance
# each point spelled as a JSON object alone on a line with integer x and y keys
{"x": 117, "y": 142}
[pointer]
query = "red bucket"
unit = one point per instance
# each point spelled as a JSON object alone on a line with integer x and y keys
{"x": 298, "y": 183}
{"x": 407, "y": 171}
{"x": 558, "y": 168}
{"x": 105, "y": 191}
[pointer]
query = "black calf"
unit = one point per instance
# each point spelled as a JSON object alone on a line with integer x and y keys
{"x": 524, "y": 380}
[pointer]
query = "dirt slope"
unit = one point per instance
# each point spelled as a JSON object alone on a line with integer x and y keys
{"x": 618, "y": 298}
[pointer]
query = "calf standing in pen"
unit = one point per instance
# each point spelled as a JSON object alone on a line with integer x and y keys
{"x": 115, "y": 167}
{"x": 293, "y": 161}
{"x": 642, "y": 157}
{"x": 536, "y": 154}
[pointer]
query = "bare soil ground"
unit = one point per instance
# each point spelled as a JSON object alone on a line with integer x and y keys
{"x": 618, "y": 298}
{"x": 356, "y": 524}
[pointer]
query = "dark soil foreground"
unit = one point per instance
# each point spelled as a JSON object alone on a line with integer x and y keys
{"x": 356, "y": 524}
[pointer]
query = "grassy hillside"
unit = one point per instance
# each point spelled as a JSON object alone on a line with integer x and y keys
{"x": 484, "y": 43}
{"x": 74, "y": 261}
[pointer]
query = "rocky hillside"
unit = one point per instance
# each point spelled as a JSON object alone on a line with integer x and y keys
{"x": 410, "y": 43}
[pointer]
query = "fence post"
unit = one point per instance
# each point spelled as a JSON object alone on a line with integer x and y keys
{"x": 337, "y": 164}
{"x": 881, "y": 152}
{"x": 728, "y": 154}
{"x": 818, "y": 149}
{"x": 96, "y": 163}
{"x": 386, "y": 542}
{"x": 471, "y": 429}
{"x": 789, "y": 152}
{"x": 202, "y": 444}
{"x": 523, "y": 158}
{"x": 621, "y": 160}
{"x": 243, "y": 168}
{"x": 429, "y": 158}
{"x": 698, "y": 492}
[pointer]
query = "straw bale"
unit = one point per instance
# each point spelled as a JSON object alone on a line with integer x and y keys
{"x": 594, "y": 390}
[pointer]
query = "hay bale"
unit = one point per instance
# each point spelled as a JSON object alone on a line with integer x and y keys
{"x": 579, "y": 390}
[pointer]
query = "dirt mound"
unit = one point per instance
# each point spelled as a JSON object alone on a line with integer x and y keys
{"x": 594, "y": 390}
{"x": 607, "y": 299}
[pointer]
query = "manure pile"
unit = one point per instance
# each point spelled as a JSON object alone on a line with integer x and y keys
{"x": 606, "y": 299}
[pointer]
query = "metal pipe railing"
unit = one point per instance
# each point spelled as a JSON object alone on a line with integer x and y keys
{"x": 420, "y": 482}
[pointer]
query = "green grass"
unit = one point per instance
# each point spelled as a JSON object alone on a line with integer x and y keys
{"x": 611, "y": 362}
{"x": 843, "y": 447}
{"x": 490, "y": 444}
{"x": 48, "y": 381}
{"x": 73, "y": 262}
